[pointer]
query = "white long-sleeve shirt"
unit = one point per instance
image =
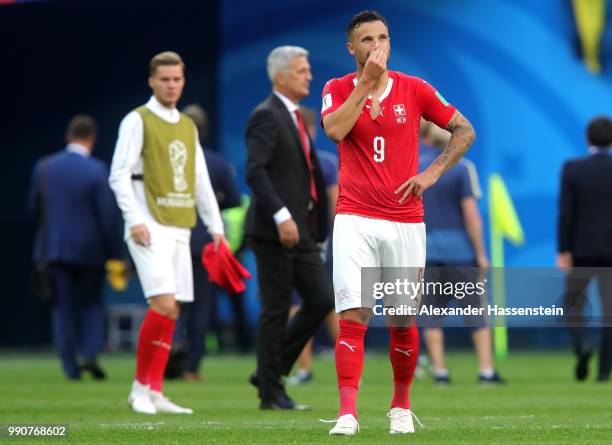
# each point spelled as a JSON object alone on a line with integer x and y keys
{"x": 130, "y": 194}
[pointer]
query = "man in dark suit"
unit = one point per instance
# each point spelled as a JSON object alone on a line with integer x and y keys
{"x": 287, "y": 217}
{"x": 585, "y": 242}
{"x": 78, "y": 230}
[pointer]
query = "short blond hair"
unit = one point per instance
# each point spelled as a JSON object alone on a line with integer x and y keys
{"x": 166, "y": 58}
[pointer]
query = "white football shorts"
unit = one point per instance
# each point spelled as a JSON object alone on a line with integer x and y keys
{"x": 164, "y": 267}
{"x": 367, "y": 242}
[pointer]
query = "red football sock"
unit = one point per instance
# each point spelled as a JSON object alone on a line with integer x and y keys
{"x": 149, "y": 332}
{"x": 162, "y": 345}
{"x": 404, "y": 353}
{"x": 349, "y": 363}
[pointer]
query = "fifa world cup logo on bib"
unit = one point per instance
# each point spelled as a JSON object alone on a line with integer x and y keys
{"x": 178, "y": 159}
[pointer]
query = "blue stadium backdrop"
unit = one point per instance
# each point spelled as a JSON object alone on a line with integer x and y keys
{"x": 511, "y": 66}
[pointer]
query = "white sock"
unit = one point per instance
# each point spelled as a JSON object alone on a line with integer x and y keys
{"x": 487, "y": 373}
{"x": 441, "y": 372}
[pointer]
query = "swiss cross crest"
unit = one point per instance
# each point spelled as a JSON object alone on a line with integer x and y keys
{"x": 399, "y": 110}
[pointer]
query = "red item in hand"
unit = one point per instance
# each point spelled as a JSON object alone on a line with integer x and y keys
{"x": 224, "y": 269}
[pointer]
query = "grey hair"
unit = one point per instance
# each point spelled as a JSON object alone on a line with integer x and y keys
{"x": 279, "y": 59}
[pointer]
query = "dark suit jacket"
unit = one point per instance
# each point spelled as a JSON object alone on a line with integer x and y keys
{"x": 278, "y": 175}
{"x": 83, "y": 220}
{"x": 585, "y": 219}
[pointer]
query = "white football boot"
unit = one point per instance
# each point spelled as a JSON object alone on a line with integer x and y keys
{"x": 346, "y": 425}
{"x": 401, "y": 421}
{"x": 140, "y": 399}
{"x": 163, "y": 404}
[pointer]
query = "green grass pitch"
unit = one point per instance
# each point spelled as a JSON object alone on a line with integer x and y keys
{"x": 540, "y": 404}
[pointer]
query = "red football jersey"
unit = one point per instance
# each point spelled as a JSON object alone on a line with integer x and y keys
{"x": 378, "y": 155}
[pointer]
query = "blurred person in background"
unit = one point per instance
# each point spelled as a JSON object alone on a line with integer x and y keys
{"x": 329, "y": 169}
{"x": 196, "y": 317}
{"x": 160, "y": 178}
{"x": 78, "y": 231}
{"x": 286, "y": 220}
{"x": 585, "y": 243}
{"x": 455, "y": 252}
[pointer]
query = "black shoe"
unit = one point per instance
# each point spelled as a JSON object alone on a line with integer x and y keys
{"x": 176, "y": 364}
{"x": 603, "y": 378}
{"x": 72, "y": 371}
{"x": 442, "y": 379}
{"x": 283, "y": 402}
{"x": 254, "y": 380}
{"x": 582, "y": 365}
{"x": 495, "y": 379}
{"x": 94, "y": 369}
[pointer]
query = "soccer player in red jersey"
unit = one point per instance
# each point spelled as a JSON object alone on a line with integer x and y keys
{"x": 374, "y": 115}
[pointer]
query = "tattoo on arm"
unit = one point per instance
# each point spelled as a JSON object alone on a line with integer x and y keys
{"x": 462, "y": 136}
{"x": 361, "y": 99}
{"x": 452, "y": 124}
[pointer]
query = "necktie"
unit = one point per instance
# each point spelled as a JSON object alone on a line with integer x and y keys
{"x": 306, "y": 146}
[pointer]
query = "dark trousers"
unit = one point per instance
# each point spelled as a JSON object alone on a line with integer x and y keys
{"x": 195, "y": 318}
{"x": 279, "y": 344}
{"x": 241, "y": 328}
{"x": 576, "y": 304}
{"x": 198, "y": 318}
{"x": 77, "y": 313}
